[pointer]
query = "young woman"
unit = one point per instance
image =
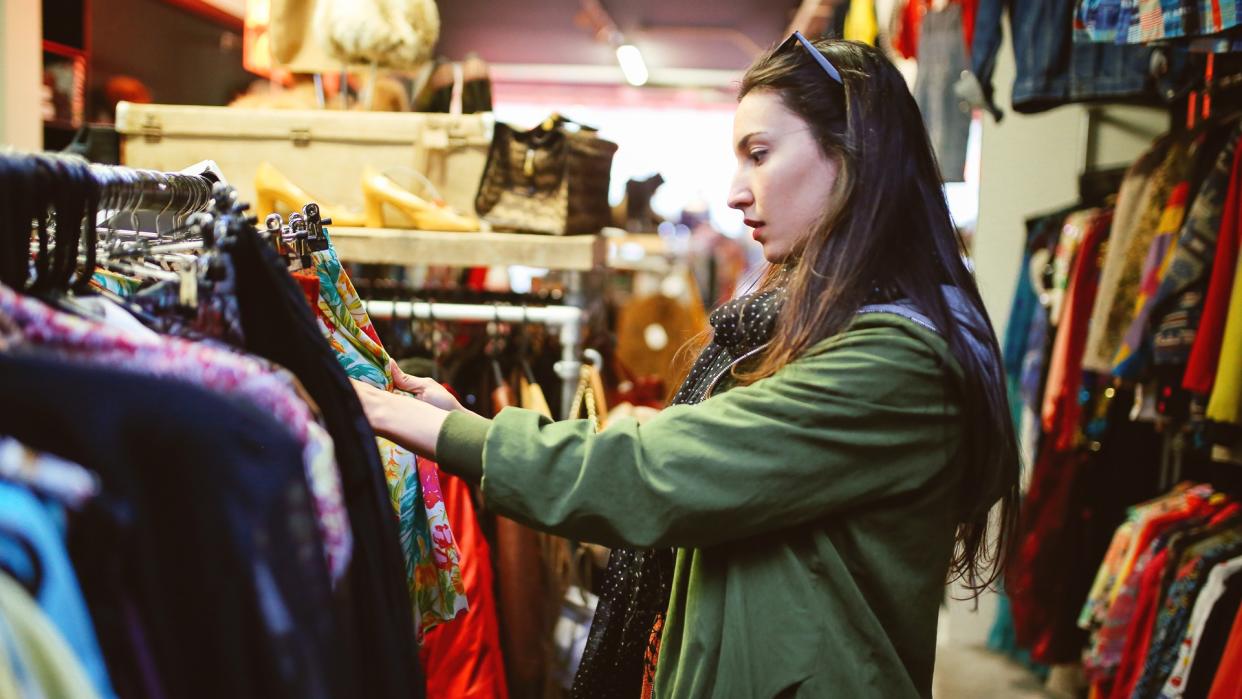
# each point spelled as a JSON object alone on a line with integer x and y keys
{"x": 833, "y": 456}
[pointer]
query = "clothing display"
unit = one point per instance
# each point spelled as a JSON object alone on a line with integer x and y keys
{"x": 1119, "y": 566}
{"x": 42, "y": 656}
{"x": 1052, "y": 68}
{"x": 907, "y": 40}
{"x": 378, "y": 383}
{"x": 465, "y": 659}
{"x": 280, "y": 326}
{"x": 207, "y": 530}
{"x": 26, "y": 518}
{"x": 943, "y": 58}
{"x": 414, "y": 488}
{"x": 1134, "y": 21}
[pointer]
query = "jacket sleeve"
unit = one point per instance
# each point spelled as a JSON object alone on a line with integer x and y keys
{"x": 867, "y": 419}
{"x": 986, "y": 50}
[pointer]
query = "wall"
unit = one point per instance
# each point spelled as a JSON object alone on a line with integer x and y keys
{"x": 181, "y": 57}
{"x": 1029, "y": 164}
{"x": 21, "y": 79}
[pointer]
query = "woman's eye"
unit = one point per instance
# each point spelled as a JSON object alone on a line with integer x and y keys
{"x": 757, "y": 156}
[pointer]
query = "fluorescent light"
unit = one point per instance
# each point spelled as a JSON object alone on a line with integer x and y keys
{"x": 632, "y": 65}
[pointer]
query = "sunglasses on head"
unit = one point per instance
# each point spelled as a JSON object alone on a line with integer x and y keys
{"x": 797, "y": 38}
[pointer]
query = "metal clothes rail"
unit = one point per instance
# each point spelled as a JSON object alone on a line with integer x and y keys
{"x": 569, "y": 321}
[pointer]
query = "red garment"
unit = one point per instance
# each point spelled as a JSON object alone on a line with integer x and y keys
{"x": 462, "y": 659}
{"x": 1034, "y": 578}
{"x": 1065, "y": 364}
{"x": 1205, "y": 353}
{"x": 309, "y": 281}
{"x": 1228, "y": 682}
{"x": 906, "y": 39}
{"x": 476, "y": 279}
{"x": 1138, "y": 633}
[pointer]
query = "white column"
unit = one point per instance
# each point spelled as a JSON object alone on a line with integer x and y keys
{"x": 21, "y": 74}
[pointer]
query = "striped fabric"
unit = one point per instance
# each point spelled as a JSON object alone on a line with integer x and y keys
{"x": 1142, "y": 21}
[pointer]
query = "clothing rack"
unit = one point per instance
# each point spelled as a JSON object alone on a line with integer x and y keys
{"x": 154, "y": 190}
{"x": 568, "y": 319}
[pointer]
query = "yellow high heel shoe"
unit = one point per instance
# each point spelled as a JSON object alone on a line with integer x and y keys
{"x": 271, "y": 186}
{"x": 379, "y": 189}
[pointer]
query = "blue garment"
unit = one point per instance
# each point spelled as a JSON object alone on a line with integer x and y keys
{"x": 41, "y": 525}
{"x": 1099, "y": 20}
{"x": 1053, "y": 70}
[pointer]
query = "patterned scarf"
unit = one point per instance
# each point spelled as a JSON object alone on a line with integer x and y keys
{"x": 623, "y": 646}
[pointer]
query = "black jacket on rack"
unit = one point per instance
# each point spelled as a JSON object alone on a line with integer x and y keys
{"x": 279, "y": 326}
{"x": 201, "y": 562}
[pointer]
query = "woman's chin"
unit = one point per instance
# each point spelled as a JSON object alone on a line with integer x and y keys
{"x": 775, "y": 254}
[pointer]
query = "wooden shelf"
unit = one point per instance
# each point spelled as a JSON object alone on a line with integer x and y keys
{"x": 410, "y": 247}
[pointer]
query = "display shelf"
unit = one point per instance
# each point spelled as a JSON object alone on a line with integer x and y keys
{"x": 580, "y": 253}
{"x": 638, "y": 252}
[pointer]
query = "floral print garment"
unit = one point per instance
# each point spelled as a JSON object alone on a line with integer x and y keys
{"x": 432, "y": 560}
{"x": 210, "y": 366}
{"x": 1175, "y": 608}
{"x": 1213, "y": 590}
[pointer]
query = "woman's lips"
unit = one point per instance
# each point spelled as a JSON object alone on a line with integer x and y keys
{"x": 757, "y": 225}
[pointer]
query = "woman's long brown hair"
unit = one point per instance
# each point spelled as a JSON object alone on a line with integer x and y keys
{"x": 888, "y": 226}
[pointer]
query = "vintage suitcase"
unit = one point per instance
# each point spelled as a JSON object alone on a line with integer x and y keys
{"x": 324, "y": 152}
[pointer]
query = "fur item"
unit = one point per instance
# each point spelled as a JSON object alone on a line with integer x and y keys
{"x": 398, "y": 34}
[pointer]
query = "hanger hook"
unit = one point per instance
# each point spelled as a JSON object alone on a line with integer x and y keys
{"x": 167, "y": 188}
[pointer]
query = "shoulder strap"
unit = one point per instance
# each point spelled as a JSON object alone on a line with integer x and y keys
{"x": 903, "y": 310}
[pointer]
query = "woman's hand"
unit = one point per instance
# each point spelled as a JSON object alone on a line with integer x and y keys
{"x": 408, "y": 421}
{"x": 424, "y": 389}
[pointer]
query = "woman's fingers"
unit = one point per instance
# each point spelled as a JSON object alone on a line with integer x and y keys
{"x": 406, "y": 382}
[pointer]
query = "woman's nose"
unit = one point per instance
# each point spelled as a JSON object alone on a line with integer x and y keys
{"x": 740, "y": 195}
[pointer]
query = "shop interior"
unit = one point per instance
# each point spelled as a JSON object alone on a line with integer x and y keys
{"x": 528, "y": 203}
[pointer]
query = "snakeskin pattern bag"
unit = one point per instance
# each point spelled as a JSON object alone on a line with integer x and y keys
{"x": 552, "y": 179}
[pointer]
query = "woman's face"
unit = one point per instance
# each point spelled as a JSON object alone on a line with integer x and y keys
{"x": 784, "y": 181}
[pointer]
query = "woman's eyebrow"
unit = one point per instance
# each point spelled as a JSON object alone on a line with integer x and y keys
{"x": 745, "y": 140}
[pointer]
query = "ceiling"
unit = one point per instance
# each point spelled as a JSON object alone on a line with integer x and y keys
{"x": 680, "y": 34}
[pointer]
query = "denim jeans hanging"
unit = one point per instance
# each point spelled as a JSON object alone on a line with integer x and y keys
{"x": 942, "y": 59}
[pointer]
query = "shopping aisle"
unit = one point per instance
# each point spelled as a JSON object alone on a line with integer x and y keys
{"x": 974, "y": 672}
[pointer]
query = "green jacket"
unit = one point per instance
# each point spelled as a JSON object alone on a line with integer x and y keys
{"x": 814, "y": 512}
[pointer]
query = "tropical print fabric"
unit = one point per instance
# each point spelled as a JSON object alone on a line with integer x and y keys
{"x": 432, "y": 560}
{"x": 115, "y": 283}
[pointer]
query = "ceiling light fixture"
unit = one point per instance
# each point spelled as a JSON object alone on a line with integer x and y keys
{"x": 632, "y": 65}
{"x": 594, "y": 17}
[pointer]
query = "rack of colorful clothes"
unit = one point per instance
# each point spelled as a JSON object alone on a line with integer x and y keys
{"x": 1163, "y": 608}
{"x": 573, "y": 259}
{"x": 230, "y": 524}
{"x": 1122, "y": 356}
{"x": 520, "y": 582}
{"x": 516, "y": 579}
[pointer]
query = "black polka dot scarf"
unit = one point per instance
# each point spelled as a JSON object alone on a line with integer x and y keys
{"x": 623, "y": 646}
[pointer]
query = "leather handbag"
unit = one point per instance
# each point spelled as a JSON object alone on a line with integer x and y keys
{"x": 552, "y": 179}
